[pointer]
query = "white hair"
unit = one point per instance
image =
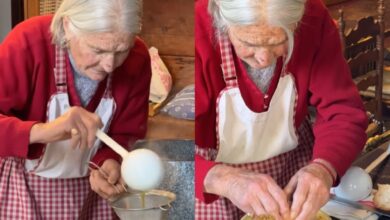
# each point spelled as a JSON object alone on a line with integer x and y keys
{"x": 96, "y": 16}
{"x": 277, "y": 13}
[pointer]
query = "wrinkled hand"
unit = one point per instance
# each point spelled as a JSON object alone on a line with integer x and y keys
{"x": 77, "y": 124}
{"x": 107, "y": 181}
{"x": 253, "y": 193}
{"x": 309, "y": 190}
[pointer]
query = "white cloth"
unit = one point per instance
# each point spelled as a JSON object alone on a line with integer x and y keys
{"x": 246, "y": 136}
{"x": 346, "y": 212}
{"x": 161, "y": 82}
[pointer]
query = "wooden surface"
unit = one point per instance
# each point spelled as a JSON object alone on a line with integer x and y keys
{"x": 381, "y": 174}
{"x": 357, "y": 9}
{"x": 163, "y": 126}
{"x": 169, "y": 26}
{"x": 182, "y": 69}
{"x": 331, "y": 2}
{"x": 31, "y": 8}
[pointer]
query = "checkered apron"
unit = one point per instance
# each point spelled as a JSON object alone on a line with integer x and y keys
{"x": 29, "y": 195}
{"x": 281, "y": 167}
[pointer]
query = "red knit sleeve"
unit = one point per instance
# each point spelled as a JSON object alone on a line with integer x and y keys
{"x": 16, "y": 75}
{"x": 202, "y": 167}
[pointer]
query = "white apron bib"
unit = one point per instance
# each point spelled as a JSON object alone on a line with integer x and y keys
{"x": 244, "y": 136}
{"x": 59, "y": 160}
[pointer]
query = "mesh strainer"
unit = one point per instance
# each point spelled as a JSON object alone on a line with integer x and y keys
{"x": 156, "y": 205}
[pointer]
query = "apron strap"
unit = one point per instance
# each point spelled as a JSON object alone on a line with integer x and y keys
{"x": 59, "y": 70}
{"x": 227, "y": 65}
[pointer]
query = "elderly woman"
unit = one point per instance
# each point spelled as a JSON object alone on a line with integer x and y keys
{"x": 62, "y": 77}
{"x": 259, "y": 66}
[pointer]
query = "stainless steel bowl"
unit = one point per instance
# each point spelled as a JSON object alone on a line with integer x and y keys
{"x": 155, "y": 206}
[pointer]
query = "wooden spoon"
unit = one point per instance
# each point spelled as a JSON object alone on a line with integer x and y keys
{"x": 378, "y": 160}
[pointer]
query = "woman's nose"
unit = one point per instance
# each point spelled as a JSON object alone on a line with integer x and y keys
{"x": 108, "y": 63}
{"x": 264, "y": 57}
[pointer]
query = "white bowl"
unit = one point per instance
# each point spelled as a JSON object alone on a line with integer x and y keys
{"x": 355, "y": 185}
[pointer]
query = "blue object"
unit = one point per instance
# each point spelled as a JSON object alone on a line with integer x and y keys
{"x": 182, "y": 105}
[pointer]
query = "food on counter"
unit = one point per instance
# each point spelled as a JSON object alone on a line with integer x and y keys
{"x": 320, "y": 216}
{"x": 382, "y": 197}
{"x": 262, "y": 217}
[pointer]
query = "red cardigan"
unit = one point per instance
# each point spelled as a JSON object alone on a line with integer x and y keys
{"x": 322, "y": 78}
{"x": 27, "y": 81}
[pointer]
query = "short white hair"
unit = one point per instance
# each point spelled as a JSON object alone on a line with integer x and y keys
{"x": 96, "y": 16}
{"x": 285, "y": 14}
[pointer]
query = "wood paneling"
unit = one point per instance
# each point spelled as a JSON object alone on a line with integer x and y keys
{"x": 167, "y": 127}
{"x": 31, "y": 8}
{"x": 169, "y": 26}
{"x": 182, "y": 69}
{"x": 331, "y": 2}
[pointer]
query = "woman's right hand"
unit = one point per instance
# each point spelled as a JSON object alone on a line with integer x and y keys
{"x": 76, "y": 124}
{"x": 253, "y": 193}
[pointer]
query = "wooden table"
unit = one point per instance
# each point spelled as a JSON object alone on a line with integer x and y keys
{"x": 332, "y": 2}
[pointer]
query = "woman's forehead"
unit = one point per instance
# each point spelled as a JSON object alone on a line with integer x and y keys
{"x": 109, "y": 40}
{"x": 258, "y": 34}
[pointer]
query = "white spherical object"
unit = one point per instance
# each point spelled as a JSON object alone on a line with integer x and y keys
{"x": 142, "y": 170}
{"x": 355, "y": 185}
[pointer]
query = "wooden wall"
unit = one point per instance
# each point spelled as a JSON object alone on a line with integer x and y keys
{"x": 169, "y": 26}
{"x": 31, "y": 8}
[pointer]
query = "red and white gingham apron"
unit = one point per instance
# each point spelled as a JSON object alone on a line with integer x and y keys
{"x": 281, "y": 167}
{"x": 57, "y": 192}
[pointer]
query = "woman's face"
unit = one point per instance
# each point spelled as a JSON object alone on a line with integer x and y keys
{"x": 97, "y": 55}
{"x": 258, "y": 45}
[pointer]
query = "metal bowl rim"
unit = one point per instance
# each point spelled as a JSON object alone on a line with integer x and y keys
{"x": 170, "y": 195}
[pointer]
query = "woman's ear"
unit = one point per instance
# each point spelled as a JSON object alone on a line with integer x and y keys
{"x": 67, "y": 33}
{"x": 65, "y": 24}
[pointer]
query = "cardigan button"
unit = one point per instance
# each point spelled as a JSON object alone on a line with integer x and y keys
{"x": 266, "y": 96}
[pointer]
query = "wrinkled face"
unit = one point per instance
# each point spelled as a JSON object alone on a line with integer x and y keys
{"x": 258, "y": 45}
{"x": 97, "y": 55}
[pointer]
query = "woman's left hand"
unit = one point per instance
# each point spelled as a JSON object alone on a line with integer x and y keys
{"x": 107, "y": 181}
{"x": 309, "y": 190}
